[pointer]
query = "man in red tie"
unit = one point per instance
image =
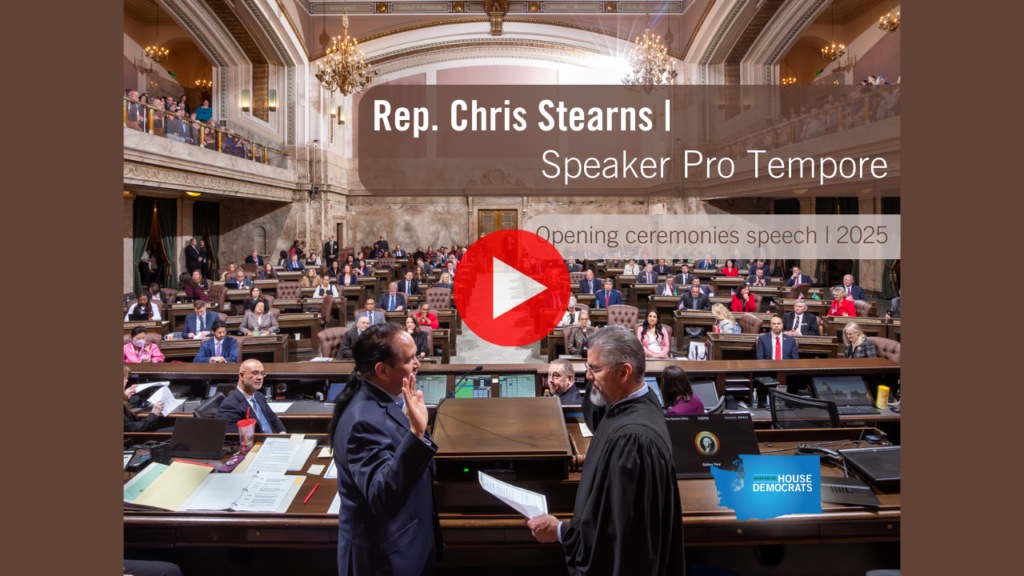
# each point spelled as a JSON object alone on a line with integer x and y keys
{"x": 775, "y": 345}
{"x": 607, "y": 297}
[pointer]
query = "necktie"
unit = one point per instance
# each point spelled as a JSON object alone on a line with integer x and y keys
{"x": 606, "y": 298}
{"x": 778, "y": 348}
{"x": 391, "y": 303}
{"x": 217, "y": 346}
{"x": 796, "y": 325}
{"x": 264, "y": 425}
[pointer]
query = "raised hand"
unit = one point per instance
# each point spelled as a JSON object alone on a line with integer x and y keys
{"x": 415, "y": 407}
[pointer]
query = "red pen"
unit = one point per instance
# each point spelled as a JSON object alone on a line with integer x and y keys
{"x": 311, "y": 493}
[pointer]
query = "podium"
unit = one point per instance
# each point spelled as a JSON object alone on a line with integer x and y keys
{"x": 523, "y": 439}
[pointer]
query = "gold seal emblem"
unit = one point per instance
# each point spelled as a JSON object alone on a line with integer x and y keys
{"x": 707, "y": 443}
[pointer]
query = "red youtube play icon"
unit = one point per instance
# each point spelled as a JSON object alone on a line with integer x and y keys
{"x": 511, "y": 288}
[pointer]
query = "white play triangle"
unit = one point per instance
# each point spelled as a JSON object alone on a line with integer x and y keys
{"x": 511, "y": 288}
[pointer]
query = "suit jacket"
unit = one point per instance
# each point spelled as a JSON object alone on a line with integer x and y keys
{"x": 804, "y": 279}
{"x": 858, "y": 293}
{"x": 385, "y": 301}
{"x": 376, "y": 317}
{"x": 234, "y": 408}
{"x": 229, "y": 350}
{"x": 662, "y": 269}
{"x": 686, "y": 302}
{"x": 191, "y": 257}
{"x": 585, "y": 286}
{"x": 401, "y": 253}
{"x": 388, "y": 522}
{"x": 249, "y": 324}
{"x": 751, "y": 270}
{"x": 330, "y": 250}
{"x": 289, "y": 266}
{"x": 258, "y": 261}
{"x": 660, "y": 290}
{"x": 381, "y": 245}
{"x": 353, "y": 280}
{"x": 614, "y": 298}
{"x": 421, "y": 344}
{"x": 192, "y": 323}
{"x": 894, "y": 308}
{"x": 575, "y": 268}
{"x": 647, "y": 278}
{"x": 706, "y": 265}
{"x": 808, "y": 324}
{"x": 684, "y": 279}
{"x": 575, "y": 342}
{"x": 764, "y": 347}
{"x": 348, "y": 340}
{"x": 245, "y": 283}
{"x": 415, "y": 289}
{"x": 752, "y": 280}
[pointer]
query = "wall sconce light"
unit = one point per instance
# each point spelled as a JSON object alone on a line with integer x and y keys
{"x": 245, "y": 100}
{"x": 331, "y": 108}
{"x": 192, "y": 194}
{"x": 341, "y": 114}
{"x": 272, "y": 101}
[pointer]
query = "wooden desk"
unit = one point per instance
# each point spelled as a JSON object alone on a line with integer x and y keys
{"x": 683, "y": 318}
{"x": 176, "y": 314}
{"x": 877, "y": 327}
{"x": 161, "y": 327}
{"x": 665, "y": 305}
{"x": 370, "y": 284}
{"x": 744, "y": 346}
{"x": 306, "y": 325}
{"x": 356, "y": 295}
{"x": 893, "y": 332}
{"x": 726, "y": 284}
{"x": 623, "y": 283}
{"x": 640, "y": 292}
{"x": 268, "y": 349}
{"x": 293, "y": 276}
{"x": 442, "y": 339}
{"x": 587, "y": 299}
{"x": 819, "y": 307}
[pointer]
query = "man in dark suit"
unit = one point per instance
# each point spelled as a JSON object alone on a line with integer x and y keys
{"x": 381, "y": 245}
{"x": 330, "y": 251}
{"x": 294, "y": 264}
{"x": 240, "y": 279}
{"x": 758, "y": 278}
{"x": 662, "y": 268}
{"x": 392, "y": 300}
{"x": 704, "y": 288}
{"x": 852, "y": 289}
{"x": 589, "y": 284}
{"x": 244, "y": 399}
{"x": 775, "y": 345}
{"x": 219, "y": 349}
{"x": 372, "y": 314}
{"x": 648, "y": 276}
{"x": 694, "y": 300}
{"x": 388, "y": 521}
{"x": 666, "y": 288}
{"x": 409, "y": 286}
{"x": 136, "y": 112}
{"x": 760, "y": 266}
{"x": 684, "y": 278}
{"x": 573, "y": 266}
{"x": 193, "y": 261}
{"x": 350, "y": 337}
{"x": 706, "y": 264}
{"x": 800, "y": 322}
{"x": 254, "y": 258}
{"x": 798, "y": 278}
{"x": 607, "y": 297}
{"x": 199, "y": 323}
{"x": 399, "y": 253}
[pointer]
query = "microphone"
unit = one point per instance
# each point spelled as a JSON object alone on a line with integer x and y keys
{"x": 451, "y": 394}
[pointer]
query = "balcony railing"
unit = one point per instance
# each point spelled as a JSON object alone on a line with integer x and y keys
{"x": 146, "y": 118}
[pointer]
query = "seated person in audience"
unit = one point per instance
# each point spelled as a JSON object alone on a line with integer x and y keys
{"x": 631, "y": 269}
{"x": 425, "y": 317}
{"x": 678, "y": 393}
{"x": 254, "y": 258}
{"x": 694, "y": 300}
{"x": 229, "y": 273}
{"x": 267, "y": 272}
{"x": 775, "y": 345}
{"x": 144, "y": 306}
{"x": 418, "y": 336}
{"x": 706, "y": 264}
{"x": 894, "y": 307}
{"x": 744, "y": 301}
{"x": 705, "y": 290}
{"x": 419, "y": 254}
{"x": 410, "y": 286}
{"x": 663, "y": 268}
{"x": 351, "y": 261}
{"x": 648, "y": 276}
{"x": 607, "y": 297}
{"x": 572, "y": 315}
{"x": 259, "y": 321}
{"x": 758, "y": 279}
{"x": 361, "y": 268}
{"x": 310, "y": 279}
{"x": 730, "y": 269}
{"x": 797, "y": 278}
{"x": 199, "y": 324}
{"x": 562, "y": 383}
{"x": 800, "y": 322}
{"x": 138, "y": 350}
{"x": 851, "y": 289}
{"x": 293, "y": 263}
{"x": 203, "y": 283}
{"x": 220, "y": 348}
{"x": 579, "y": 335}
{"x": 282, "y": 258}
{"x": 654, "y": 337}
{"x": 326, "y": 288}
{"x": 751, "y": 271}
{"x": 667, "y": 288}
{"x": 244, "y": 400}
{"x": 724, "y": 320}
{"x": 313, "y": 259}
{"x": 348, "y": 277}
{"x": 370, "y": 311}
{"x": 133, "y": 423}
{"x": 334, "y": 270}
{"x": 240, "y": 279}
{"x": 589, "y": 284}
{"x": 255, "y": 295}
{"x": 392, "y": 300}
{"x": 445, "y": 282}
{"x": 399, "y": 253}
{"x": 427, "y": 267}
{"x": 449, "y": 268}
{"x": 684, "y": 278}
{"x": 419, "y": 275}
{"x": 858, "y": 345}
{"x": 841, "y": 305}
{"x": 350, "y": 337}
{"x": 155, "y": 294}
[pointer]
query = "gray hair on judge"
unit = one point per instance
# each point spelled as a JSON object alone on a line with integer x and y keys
{"x": 618, "y": 345}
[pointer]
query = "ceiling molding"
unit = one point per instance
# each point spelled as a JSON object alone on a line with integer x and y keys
{"x": 477, "y": 7}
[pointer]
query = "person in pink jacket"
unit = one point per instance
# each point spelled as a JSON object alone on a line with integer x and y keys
{"x": 653, "y": 337}
{"x": 138, "y": 350}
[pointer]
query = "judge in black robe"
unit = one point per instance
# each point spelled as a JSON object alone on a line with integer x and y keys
{"x": 627, "y": 518}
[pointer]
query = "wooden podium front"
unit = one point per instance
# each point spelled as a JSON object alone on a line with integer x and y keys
{"x": 509, "y": 438}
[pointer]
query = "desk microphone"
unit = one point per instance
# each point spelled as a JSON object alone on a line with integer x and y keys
{"x": 451, "y": 394}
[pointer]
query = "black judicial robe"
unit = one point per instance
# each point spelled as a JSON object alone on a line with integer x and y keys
{"x": 627, "y": 518}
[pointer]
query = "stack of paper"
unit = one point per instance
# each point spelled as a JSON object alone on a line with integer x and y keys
{"x": 170, "y": 402}
{"x": 257, "y": 492}
{"x": 134, "y": 487}
{"x": 278, "y": 455}
{"x": 173, "y": 486}
{"x": 529, "y": 504}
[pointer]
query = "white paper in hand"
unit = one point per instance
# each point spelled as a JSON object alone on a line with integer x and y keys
{"x": 529, "y": 504}
{"x": 170, "y": 402}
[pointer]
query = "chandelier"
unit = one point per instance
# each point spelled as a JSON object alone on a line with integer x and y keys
{"x": 789, "y": 79}
{"x": 649, "y": 61}
{"x": 833, "y": 52}
{"x": 891, "y": 21}
{"x": 204, "y": 85}
{"x": 342, "y": 67}
{"x": 157, "y": 53}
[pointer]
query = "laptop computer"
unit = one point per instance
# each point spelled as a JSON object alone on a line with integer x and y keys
{"x": 702, "y": 441}
{"x": 879, "y": 464}
{"x": 849, "y": 393}
{"x": 333, "y": 389}
{"x": 653, "y": 383}
{"x": 707, "y": 392}
{"x": 852, "y": 491}
{"x": 134, "y": 317}
{"x": 231, "y": 285}
{"x": 201, "y": 438}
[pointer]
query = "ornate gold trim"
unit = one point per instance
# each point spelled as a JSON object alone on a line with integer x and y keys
{"x": 696, "y": 30}
{"x": 295, "y": 29}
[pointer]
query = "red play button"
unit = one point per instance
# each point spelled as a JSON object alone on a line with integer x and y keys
{"x": 511, "y": 288}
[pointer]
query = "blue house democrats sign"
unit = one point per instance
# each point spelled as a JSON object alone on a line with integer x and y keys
{"x": 765, "y": 487}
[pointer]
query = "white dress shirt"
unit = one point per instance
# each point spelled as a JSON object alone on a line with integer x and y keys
{"x": 152, "y": 306}
{"x": 320, "y": 292}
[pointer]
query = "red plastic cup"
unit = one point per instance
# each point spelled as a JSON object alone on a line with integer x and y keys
{"x": 247, "y": 433}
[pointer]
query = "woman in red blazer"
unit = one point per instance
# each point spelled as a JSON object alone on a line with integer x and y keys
{"x": 730, "y": 269}
{"x": 743, "y": 300}
{"x": 427, "y": 318}
{"x": 841, "y": 306}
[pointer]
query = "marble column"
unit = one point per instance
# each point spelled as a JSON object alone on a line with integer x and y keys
{"x": 129, "y": 240}
{"x": 871, "y": 270}
{"x": 807, "y": 265}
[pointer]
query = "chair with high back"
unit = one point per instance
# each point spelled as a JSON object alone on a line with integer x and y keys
{"x": 208, "y": 408}
{"x": 219, "y": 294}
{"x": 758, "y": 299}
{"x": 240, "y": 340}
{"x": 326, "y": 307}
{"x": 575, "y": 277}
{"x": 888, "y": 349}
{"x": 330, "y": 341}
{"x": 289, "y": 290}
{"x": 623, "y": 315}
{"x": 750, "y": 324}
{"x": 791, "y": 411}
{"x": 169, "y": 295}
{"x": 822, "y": 325}
{"x": 250, "y": 268}
{"x": 798, "y": 291}
{"x": 439, "y": 298}
{"x": 863, "y": 308}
